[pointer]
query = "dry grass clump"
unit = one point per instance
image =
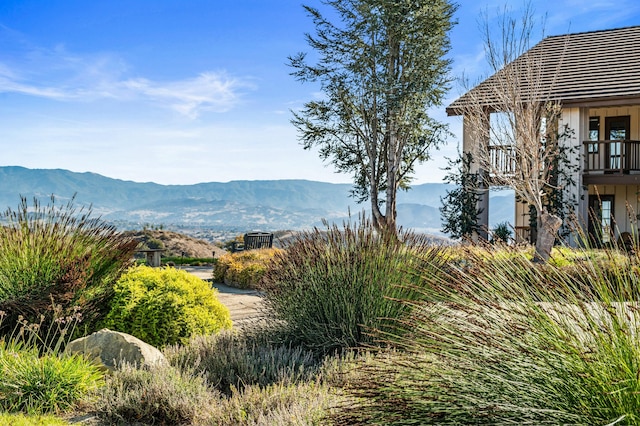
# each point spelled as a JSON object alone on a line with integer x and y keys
{"x": 159, "y": 395}
{"x": 302, "y": 404}
{"x": 222, "y": 380}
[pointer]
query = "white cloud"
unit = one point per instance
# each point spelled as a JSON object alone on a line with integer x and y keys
{"x": 9, "y": 85}
{"x": 209, "y": 91}
{"x": 59, "y": 75}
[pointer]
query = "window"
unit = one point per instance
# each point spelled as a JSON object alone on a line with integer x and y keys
{"x": 594, "y": 134}
{"x": 501, "y": 125}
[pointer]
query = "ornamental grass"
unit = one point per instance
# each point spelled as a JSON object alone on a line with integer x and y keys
{"x": 333, "y": 289}
{"x": 53, "y": 255}
{"x": 507, "y": 341}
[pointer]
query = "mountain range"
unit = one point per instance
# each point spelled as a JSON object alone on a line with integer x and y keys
{"x": 266, "y": 205}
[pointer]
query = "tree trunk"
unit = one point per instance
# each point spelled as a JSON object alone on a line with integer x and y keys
{"x": 390, "y": 216}
{"x": 394, "y": 144}
{"x": 376, "y": 215}
{"x": 548, "y": 226}
{"x": 392, "y": 181}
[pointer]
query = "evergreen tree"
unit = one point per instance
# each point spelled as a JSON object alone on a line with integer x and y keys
{"x": 380, "y": 68}
{"x": 459, "y": 209}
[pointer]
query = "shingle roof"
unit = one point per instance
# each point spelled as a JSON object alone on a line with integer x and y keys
{"x": 588, "y": 66}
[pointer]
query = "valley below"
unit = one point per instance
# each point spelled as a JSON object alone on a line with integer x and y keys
{"x": 218, "y": 211}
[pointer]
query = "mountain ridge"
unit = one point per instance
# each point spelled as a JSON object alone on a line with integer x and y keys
{"x": 243, "y": 204}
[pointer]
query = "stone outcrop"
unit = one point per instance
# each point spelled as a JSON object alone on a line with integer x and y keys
{"x": 112, "y": 348}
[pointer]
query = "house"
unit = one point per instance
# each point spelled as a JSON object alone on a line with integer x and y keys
{"x": 595, "y": 78}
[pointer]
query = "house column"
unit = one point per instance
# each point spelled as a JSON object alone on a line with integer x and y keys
{"x": 576, "y": 121}
{"x": 473, "y": 141}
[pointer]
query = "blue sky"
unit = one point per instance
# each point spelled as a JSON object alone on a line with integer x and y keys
{"x": 188, "y": 91}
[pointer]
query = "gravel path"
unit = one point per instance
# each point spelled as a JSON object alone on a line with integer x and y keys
{"x": 244, "y": 305}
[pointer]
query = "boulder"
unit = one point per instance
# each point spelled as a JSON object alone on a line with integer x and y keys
{"x": 112, "y": 348}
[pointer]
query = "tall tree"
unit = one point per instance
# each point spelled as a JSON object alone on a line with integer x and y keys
{"x": 381, "y": 66}
{"x": 523, "y": 147}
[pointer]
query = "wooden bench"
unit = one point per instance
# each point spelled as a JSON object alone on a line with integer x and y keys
{"x": 253, "y": 240}
{"x": 258, "y": 240}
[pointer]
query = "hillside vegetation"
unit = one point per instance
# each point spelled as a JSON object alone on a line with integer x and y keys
{"x": 175, "y": 244}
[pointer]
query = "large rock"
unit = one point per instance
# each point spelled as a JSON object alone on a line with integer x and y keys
{"x": 112, "y": 348}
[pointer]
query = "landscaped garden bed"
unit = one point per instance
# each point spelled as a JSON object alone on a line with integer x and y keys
{"x": 359, "y": 329}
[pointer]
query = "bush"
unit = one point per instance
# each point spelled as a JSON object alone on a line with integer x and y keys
{"x": 165, "y": 306}
{"x": 501, "y": 233}
{"x": 243, "y": 269}
{"x": 516, "y": 343}
{"x": 165, "y": 395}
{"x": 333, "y": 289}
{"x": 232, "y": 361}
{"x": 43, "y": 384}
{"x": 160, "y": 395}
{"x": 154, "y": 244}
{"x": 51, "y": 256}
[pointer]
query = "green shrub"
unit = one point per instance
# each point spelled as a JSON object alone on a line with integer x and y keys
{"x": 232, "y": 361}
{"x": 154, "y": 244}
{"x": 165, "y": 306}
{"x": 160, "y": 395}
{"x": 243, "y": 269}
{"x": 43, "y": 384}
{"x": 58, "y": 256}
{"x": 332, "y": 289}
{"x": 501, "y": 233}
{"x": 515, "y": 343}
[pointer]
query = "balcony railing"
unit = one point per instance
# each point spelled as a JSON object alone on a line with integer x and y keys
{"x": 503, "y": 159}
{"x": 612, "y": 157}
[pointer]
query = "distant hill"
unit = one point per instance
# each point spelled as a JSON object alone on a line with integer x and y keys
{"x": 176, "y": 244}
{"x": 244, "y": 205}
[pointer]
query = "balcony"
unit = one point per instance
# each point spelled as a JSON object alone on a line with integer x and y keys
{"x": 611, "y": 161}
{"x": 503, "y": 159}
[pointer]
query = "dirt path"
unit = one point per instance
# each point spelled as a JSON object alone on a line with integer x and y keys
{"x": 244, "y": 305}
